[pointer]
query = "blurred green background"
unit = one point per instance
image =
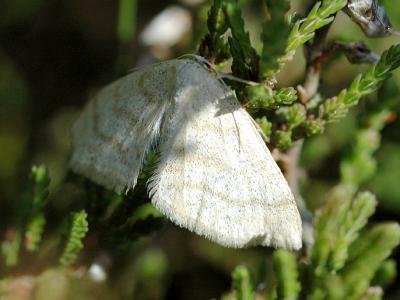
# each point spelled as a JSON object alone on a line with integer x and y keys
{"x": 54, "y": 54}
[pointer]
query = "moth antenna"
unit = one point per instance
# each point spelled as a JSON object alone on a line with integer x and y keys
{"x": 220, "y": 75}
{"x": 394, "y": 32}
{"x": 199, "y": 59}
{"x": 238, "y": 132}
{"x": 140, "y": 67}
{"x": 260, "y": 131}
{"x": 234, "y": 78}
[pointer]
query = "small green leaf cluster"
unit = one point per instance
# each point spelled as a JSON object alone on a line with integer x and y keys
{"x": 359, "y": 165}
{"x": 78, "y": 229}
{"x": 35, "y": 227}
{"x": 270, "y": 63}
{"x": 30, "y": 221}
{"x": 287, "y": 275}
{"x": 263, "y": 97}
{"x": 279, "y": 46}
{"x": 292, "y": 116}
{"x": 348, "y": 260}
{"x": 344, "y": 255}
{"x": 320, "y": 15}
{"x": 213, "y": 46}
{"x": 245, "y": 62}
{"x": 228, "y": 38}
{"x": 118, "y": 224}
{"x": 349, "y": 257}
{"x": 336, "y": 108}
{"x": 242, "y": 284}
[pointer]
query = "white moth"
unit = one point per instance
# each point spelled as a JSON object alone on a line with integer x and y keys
{"x": 215, "y": 175}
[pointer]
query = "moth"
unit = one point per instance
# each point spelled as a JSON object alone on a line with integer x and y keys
{"x": 371, "y": 17}
{"x": 215, "y": 176}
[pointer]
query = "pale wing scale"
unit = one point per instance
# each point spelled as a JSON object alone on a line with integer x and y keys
{"x": 216, "y": 176}
{"x": 116, "y": 129}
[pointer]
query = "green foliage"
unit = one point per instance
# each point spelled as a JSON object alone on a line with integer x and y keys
{"x": 213, "y": 45}
{"x": 127, "y": 20}
{"x": 34, "y": 232}
{"x": 10, "y": 248}
{"x": 338, "y": 225}
{"x": 304, "y": 30}
{"x": 293, "y": 115}
{"x": 360, "y": 165}
{"x": 283, "y": 139}
{"x": 313, "y": 126}
{"x": 366, "y": 255}
{"x": 243, "y": 283}
{"x": 272, "y": 51}
{"x": 349, "y": 257}
{"x": 385, "y": 274}
{"x": 299, "y": 119}
{"x": 30, "y": 221}
{"x": 336, "y": 108}
{"x": 263, "y": 97}
{"x": 77, "y": 232}
{"x": 265, "y": 126}
{"x": 40, "y": 181}
{"x": 342, "y": 262}
{"x": 245, "y": 62}
{"x": 286, "y": 272}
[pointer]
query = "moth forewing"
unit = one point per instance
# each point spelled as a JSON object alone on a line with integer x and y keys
{"x": 216, "y": 176}
{"x": 119, "y": 125}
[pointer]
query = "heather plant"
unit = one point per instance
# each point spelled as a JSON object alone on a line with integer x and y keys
{"x": 345, "y": 255}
